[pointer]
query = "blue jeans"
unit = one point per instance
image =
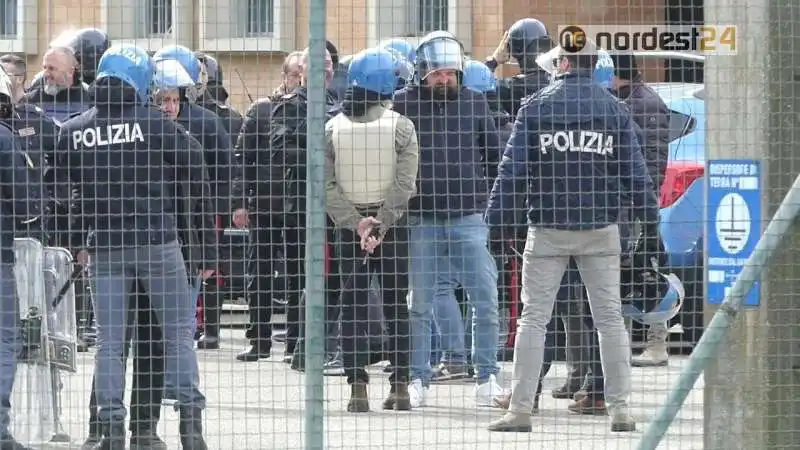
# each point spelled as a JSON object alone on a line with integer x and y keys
{"x": 10, "y": 343}
{"x": 161, "y": 271}
{"x": 444, "y": 253}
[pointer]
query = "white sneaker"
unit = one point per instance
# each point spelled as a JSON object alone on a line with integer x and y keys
{"x": 485, "y": 393}
{"x": 417, "y": 393}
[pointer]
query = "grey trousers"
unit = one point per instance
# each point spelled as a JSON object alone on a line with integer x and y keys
{"x": 161, "y": 271}
{"x": 546, "y": 256}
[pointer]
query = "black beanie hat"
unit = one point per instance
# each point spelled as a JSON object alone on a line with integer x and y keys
{"x": 625, "y": 66}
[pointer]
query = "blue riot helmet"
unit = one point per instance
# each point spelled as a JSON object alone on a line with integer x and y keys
{"x": 401, "y": 46}
{"x": 604, "y": 69}
{"x": 478, "y": 77}
{"x": 186, "y": 57}
{"x": 130, "y": 64}
{"x": 653, "y": 298}
{"x": 170, "y": 75}
{"x": 373, "y": 70}
{"x": 439, "y": 50}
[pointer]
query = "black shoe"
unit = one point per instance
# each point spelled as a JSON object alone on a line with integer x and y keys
{"x": 191, "y": 429}
{"x": 208, "y": 342}
{"x": 565, "y": 392}
{"x": 146, "y": 440}
{"x": 90, "y": 442}
{"x": 8, "y": 442}
{"x": 298, "y": 363}
{"x": 198, "y": 333}
{"x": 113, "y": 438}
{"x": 257, "y": 350}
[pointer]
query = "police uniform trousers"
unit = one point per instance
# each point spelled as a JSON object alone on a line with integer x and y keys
{"x": 145, "y": 338}
{"x": 266, "y": 243}
{"x": 389, "y": 263}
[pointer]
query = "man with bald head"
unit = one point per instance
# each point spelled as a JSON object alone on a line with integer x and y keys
{"x": 272, "y": 144}
{"x": 58, "y": 89}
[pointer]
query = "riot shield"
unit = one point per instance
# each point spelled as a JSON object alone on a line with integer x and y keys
{"x": 32, "y": 407}
{"x": 62, "y": 324}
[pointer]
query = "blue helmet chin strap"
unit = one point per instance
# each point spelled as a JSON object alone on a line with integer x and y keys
{"x": 666, "y": 308}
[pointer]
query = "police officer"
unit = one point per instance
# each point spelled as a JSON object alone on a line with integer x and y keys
{"x": 127, "y": 201}
{"x": 209, "y": 129}
{"x": 206, "y": 126}
{"x": 214, "y": 96}
{"x": 524, "y": 41}
{"x": 368, "y": 212}
{"x": 576, "y": 166}
{"x": 456, "y": 136}
{"x": 17, "y": 70}
{"x": 274, "y": 155}
{"x": 20, "y": 205}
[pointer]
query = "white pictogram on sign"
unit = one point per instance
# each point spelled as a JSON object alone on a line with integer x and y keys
{"x": 733, "y": 223}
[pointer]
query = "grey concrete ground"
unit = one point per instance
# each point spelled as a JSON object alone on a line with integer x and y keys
{"x": 255, "y": 406}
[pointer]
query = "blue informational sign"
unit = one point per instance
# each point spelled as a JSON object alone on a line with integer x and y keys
{"x": 733, "y": 224}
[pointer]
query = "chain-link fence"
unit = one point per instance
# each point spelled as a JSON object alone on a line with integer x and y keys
{"x": 373, "y": 224}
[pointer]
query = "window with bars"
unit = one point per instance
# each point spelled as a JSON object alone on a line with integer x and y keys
{"x": 158, "y": 18}
{"x": 8, "y": 19}
{"x": 260, "y": 18}
{"x": 431, "y": 16}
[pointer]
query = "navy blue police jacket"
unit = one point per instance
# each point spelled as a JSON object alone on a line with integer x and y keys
{"x": 575, "y": 154}
{"x": 458, "y": 145}
{"x": 127, "y": 161}
{"x": 19, "y": 192}
{"x": 63, "y": 106}
{"x": 208, "y": 128}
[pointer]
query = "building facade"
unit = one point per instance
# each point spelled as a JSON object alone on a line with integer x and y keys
{"x": 250, "y": 37}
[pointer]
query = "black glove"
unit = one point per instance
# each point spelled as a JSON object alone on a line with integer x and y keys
{"x": 649, "y": 249}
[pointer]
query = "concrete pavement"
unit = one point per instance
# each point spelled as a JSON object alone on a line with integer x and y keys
{"x": 254, "y": 406}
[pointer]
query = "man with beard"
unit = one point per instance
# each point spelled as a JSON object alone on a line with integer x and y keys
{"x": 60, "y": 93}
{"x": 457, "y": 139}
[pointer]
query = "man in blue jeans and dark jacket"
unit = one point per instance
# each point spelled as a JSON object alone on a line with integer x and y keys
{"x": 447, "y": 234}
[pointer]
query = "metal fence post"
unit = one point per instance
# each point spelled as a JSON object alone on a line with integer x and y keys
{"x": 752, "y": 114}
{"x": 750, "y": 358}
{"x": 315, "y": 230}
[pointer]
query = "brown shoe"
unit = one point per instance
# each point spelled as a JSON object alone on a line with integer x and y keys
{"x": 398, "y": 398}
{"x": 504, "y": 402}
{"x": 359, "y": 400}
{"x": 589, "y": 406}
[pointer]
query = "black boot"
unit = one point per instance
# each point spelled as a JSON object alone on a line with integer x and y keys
{"x": 191, "y": 429}
{"x": 210, "y": 338}
{"x": 94, "y": 433}
{"x": 145, "y": 438}
{"x": 258, "y": 349}
{"x": 113, "y": 437}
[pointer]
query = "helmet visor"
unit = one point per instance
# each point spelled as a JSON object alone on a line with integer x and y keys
{"x": 440, "y": 54}
{"x": 171, "y": 74}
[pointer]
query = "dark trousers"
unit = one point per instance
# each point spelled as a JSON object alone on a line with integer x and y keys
{"x": 266, "y": 239}
{"x": 295, "y": 244}
{"x": 148, "y": 367}
{"x": 390, "y": 263}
